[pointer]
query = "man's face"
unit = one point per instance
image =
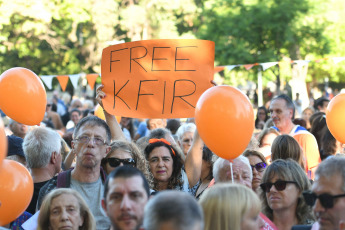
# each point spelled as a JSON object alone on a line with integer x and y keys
{"x": 329, "y": 219}
{"x": 156, "y": 123}
{"x": 324, "y": 106}
{"x": 18, "y": 129}
{"x": 90, "y": 154}
{"x": 280, "y": 113}
{"x": 125, "y": 202}
{"x": 242, "y": 173}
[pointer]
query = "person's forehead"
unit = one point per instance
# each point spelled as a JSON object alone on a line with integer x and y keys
{"x": 331, "y": 184}
{"x": 126, "y": 184}
{"x": 96, "y": 130}
{"x": 278, "y": 103}
{"x": 64, "y": 200}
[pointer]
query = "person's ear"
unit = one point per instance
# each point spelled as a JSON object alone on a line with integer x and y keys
{"x": 53, "y": 157}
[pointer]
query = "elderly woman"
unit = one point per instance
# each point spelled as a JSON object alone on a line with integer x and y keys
{"x": 185, "y": 135}
{"x": 282, "y": 185}
{"x": 125, "y": 153}
{"x": 258, "y": 163}
{"x": 231, "y": 207}
{"x": 165, "y": 164}
{"x": 64, "y": 208}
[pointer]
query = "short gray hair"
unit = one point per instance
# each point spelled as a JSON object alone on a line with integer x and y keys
{"x": 220, "y": 163}
{"x": 334, "y": 165}
{"x": 38, "y": 146}
{"x": 188, "y": 127}
{"x": 176, "y": 207}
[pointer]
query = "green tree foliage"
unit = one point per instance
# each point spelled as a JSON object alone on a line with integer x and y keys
{"x": 264, "y": 30}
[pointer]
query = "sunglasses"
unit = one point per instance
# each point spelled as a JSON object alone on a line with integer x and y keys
{"x": 280, "y": 185}
{"x": 326, "y": 200}
{"x": 259, "y": 166}
{"x": 115, "y": 162}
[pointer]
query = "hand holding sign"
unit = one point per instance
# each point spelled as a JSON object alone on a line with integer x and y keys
{"x": 22, "y": 96}
{"x": 225, "y": 120}
{"x": 156, "y": 78}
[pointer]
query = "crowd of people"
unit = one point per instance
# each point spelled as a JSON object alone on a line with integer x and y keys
{"x": 153, "y": 174}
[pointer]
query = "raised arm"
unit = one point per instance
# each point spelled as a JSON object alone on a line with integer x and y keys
{"x": 115, "y": 129}
{"x": 194, "y": 160}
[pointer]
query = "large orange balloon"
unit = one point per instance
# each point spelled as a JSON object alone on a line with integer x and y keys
{"x": 335, "y": 117}
{"x": 3, "y": 142}
{"x": 225, "y": 120}
{"x": 16, "y": 189}
{"x": 22, "y": 96}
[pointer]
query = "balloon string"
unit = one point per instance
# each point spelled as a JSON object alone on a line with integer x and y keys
{"x": 232, "y": 174}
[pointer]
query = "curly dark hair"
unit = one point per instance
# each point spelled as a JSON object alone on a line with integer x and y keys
{"x": 176, "y": 177}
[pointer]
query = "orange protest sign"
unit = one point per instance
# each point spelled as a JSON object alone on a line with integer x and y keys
{"x": 156, "y": 78}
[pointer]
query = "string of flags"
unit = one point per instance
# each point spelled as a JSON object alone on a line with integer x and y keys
{"x": 268, "y": 65}
{"x": 91, "y": 78}
{"x": 63, "y": 80}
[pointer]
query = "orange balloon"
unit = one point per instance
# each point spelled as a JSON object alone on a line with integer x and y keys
{"x": 3, "y": 142}
{"x": 335, "y": 117}
{"x": 99, "y": 113}
{"x": 224, "y": 118}
{"x": 22, "y": 96}
{"x": 16, "y": 189}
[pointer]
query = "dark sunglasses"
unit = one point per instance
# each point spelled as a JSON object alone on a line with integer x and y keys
{"x": 115, "y": 162}
{"x": 259, "y": 166}
{"x": 326, "y": 200}
{"x": 280, "y": 185}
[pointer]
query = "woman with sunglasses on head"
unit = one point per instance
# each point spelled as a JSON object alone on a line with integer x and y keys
{"x": 258, "y": 163}
{"x": 282, "y": 185}
{"x": 165, "y": 165}
{"x": 124, "y": 153}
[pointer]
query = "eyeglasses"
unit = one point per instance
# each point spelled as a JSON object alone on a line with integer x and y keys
{"x": 259, "y": 166}
{"x": 326, "y": 200}
{"x": 280, "y": 185}
{"x": 115, "y": 162}
{"x": 86, "y": 139}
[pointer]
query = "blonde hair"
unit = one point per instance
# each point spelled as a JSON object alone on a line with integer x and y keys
{"x": 44, "y": 216}
{"x": 225, "y": 205}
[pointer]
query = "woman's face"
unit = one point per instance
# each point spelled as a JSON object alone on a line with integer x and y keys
{"x": 251, "y": 221}
{"x": 119, "y": 154}
{"x": 307, "y": 114}
{"x": 161, "y": 164}
{"x": 261, "y": 115}
{"x": 257, "y": 174}
{"x": 65, "y": 213}
{"x": 268, "y": 139}
{"x": 186, "y": 141}
{"x": 285, "y": 199}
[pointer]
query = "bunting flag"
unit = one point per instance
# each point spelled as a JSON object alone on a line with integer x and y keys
{"x": 47, "y": 79}
{"x": 248, "y": 66}
{"x": 268, "y": 65}
{"x": 218, "y": 68}
{"x": 74, "y": 79}
{"x": 338, "y": 59}
{"x": 91, "y": 79}
{"x": 63, "y": 80}
{"x": 301, "y": 62}
{"x": 230, "y": 67}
